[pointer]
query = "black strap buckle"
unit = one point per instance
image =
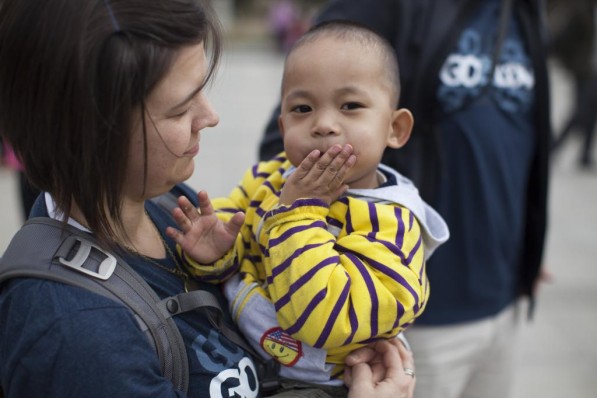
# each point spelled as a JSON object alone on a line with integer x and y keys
{"x": 268, "y": 373}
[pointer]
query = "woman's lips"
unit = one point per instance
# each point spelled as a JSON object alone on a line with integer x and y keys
{"x": 193, "y": 151}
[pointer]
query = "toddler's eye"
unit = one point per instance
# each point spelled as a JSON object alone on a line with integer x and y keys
{"x": 351, "y": 105}
{"x": 301, "y": 109}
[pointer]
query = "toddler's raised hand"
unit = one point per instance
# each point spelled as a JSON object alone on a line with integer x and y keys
{"x": 202, "y": 235}
{"x": 321, "y": 177}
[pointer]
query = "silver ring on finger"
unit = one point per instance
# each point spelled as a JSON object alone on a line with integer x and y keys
{"x": 409, "y": 372}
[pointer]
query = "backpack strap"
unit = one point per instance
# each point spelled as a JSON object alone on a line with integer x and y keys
{"x": 68, "y": 255}
{"x": 65, "y": 254}
{"x": 267, "y": 370}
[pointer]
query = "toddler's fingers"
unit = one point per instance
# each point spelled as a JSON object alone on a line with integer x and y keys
{"x": 174, "y": 234}
{"x": 337, "y": 192}
{"x": 181, "y": 218}
{"x": 205, "y": 207}
{"x": 235, "y": 223}
{"x": 307, "y": 164}
{"x": 337, "y": 182}
{"x": 338, "y": 166}
{"x": 188, "y": 209}
{"x": 325, "y": 164}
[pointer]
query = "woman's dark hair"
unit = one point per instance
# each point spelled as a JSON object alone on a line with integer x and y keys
{"x": 72, "y": 74}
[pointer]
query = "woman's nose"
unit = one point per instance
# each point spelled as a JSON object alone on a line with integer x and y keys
{"x": 208, "y": 116}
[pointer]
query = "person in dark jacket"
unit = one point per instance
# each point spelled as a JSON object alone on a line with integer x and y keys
{"x": 572, "y": 43}
{"x": 474, "y": 74}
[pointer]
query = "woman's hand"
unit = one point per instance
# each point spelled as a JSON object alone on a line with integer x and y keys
{"x": 384, "y": 369}
{"x": 320, "y": 176}
{"x": 203, "y": 236}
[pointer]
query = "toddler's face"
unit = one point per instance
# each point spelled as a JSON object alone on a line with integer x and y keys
{"x": 335, "y": 92}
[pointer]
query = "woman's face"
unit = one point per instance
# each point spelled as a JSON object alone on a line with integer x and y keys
{"x": 176, "y": 112}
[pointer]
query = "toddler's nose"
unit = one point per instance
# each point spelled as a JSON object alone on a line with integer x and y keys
{"x": 325, "y": 125}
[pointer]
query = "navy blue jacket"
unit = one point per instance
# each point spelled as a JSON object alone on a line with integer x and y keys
{"x": 62, "y": 341}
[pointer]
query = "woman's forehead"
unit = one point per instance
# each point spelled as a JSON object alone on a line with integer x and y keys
{"x": 182, "y": 82}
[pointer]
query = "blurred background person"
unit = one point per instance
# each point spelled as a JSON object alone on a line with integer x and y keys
{"x": 573, "y": 45}
{"x": 286, "y": 23}
{"x": 474, "y": 75}
{"x": 27, "y": 192}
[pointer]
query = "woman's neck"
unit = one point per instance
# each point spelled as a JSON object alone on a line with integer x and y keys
{"x": 138, "y": 234}
{"x": 143, "y": 235}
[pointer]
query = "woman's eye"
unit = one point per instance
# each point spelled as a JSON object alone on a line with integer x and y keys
{"x": 301, "y": 109}
{"x": 351, "y": 105}
{"x": 181, "y": 114}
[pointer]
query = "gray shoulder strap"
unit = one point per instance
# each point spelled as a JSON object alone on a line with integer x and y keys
{"x": 47, "y": 249}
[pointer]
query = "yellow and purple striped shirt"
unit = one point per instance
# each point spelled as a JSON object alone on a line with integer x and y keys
{"x": 339, "y": 276}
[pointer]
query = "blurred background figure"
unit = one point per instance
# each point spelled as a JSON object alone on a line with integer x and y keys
{"x": 573, "y": 45}
{"x": 283, "y": 19}
{"x": 286, "y": 22}
{"x": 474, "y": 75}
{"x": 27, "y": 193}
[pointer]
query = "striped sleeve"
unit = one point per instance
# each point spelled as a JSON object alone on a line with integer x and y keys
{"x": 330, "y": 291}
{"x": 240, "y": 199}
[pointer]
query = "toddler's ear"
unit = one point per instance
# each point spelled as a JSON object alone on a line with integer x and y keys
{"x": 402, "y": 125}
{"x": 281, "y": 126}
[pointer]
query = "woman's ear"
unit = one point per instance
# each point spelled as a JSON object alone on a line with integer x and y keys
{"x": 402, "y": 125}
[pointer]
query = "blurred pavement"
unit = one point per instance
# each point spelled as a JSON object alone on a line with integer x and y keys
{"x": 558, "y": 351}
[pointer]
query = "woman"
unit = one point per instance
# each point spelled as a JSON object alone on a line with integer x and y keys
{"x": 103, "y": 103}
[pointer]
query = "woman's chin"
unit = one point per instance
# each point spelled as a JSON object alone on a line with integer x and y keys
{"x": 184, "y": 173}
